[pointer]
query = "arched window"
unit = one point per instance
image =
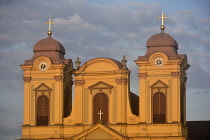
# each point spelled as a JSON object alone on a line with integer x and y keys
{"x": 159, "y": 108}
{"x": 42, "y": 111}
{"x": 100, "y": 103}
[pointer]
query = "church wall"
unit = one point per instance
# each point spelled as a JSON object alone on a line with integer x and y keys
{"x": 54, "y": 81}
{"x": 149, "y": 74}
{"x": 149, "y": 103}
{"x": 52, "y": 112}
{"x": 140, "y": 131}
{"x": 169, "y": 109}
{"x": 104, "y": 84}
{"x": 114, "y": 101}
{"x": 86, "y": 106}
{"x": 93, "y": 72}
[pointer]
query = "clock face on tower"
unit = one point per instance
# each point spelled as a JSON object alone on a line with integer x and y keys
{"x": 158, "y": 62}
{"x": 42, "y": 66}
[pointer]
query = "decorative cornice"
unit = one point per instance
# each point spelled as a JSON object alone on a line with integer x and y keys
{"x": 142, "y": 75}
{"x": 121, "y": 81}
{"x": 27, "y": 79}
{"x": 58, "y": 78}
{"x": 175, "y": 74}
{"x": 79, "y": 82}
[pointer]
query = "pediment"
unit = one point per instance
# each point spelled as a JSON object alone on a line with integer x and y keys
{"x": 97, "y": 132}
{"x": 101, "y": 85}
{"x": 42, "y": 87}
{"x": 159, "y": 84}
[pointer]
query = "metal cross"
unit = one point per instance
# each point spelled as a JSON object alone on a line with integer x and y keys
{"x": 100, "y": 113}
{"x": 162, "y": 18}
{"x": 50, "y": 22}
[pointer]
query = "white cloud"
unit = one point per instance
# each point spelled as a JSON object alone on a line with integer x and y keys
{"x": 75, "y": 23}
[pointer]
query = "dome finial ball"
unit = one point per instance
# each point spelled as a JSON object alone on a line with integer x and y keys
{"x": 162, "y": 27}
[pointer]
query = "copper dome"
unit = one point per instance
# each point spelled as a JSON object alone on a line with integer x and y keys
{"x": 160, "y": 40}
{"x": 48, "y": 44}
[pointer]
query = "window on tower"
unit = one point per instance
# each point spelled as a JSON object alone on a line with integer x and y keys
{"x": 42, "y": 111}
{"x": 159, "y": 108}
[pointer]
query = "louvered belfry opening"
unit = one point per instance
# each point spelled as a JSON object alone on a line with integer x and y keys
{"x": 42, "y": 111}
{"x": 100, "y": 103}
{"x": 159, "y": 108}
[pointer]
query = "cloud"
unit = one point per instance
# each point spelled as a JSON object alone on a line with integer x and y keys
{"x": 87, "y": 29}
{"x": 76, "y": 22}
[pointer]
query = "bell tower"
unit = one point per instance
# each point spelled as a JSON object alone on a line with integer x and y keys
{"x": 47, "y": 87}
{"x": 162, "y": 74}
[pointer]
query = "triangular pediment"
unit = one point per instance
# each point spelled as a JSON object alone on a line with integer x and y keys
{"x": 97, "y": 132}
{"x": 42, "y": 87}
{"x": 101, "y": 85}
{"x": 159, "y": 84}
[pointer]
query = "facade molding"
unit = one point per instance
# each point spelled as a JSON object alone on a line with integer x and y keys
{"x": 27, "y": 79}
{"x": 121, "y": 81}
{"x": 79, "y": 82}
{"x": 142, "y": 75}
{"x": 175, "y": 74}
{"x": 58, "y": 78}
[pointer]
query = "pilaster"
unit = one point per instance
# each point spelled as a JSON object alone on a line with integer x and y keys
{"x": 27, "y": 89}
{"x": 79, "y": 101}
{"x": 58, "y": 99}
{"x": 122, "y": 99}
{"x": 176, "y": 97}
{"x": 143, "y": 91}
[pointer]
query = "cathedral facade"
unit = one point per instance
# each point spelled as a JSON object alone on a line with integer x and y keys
{"x": 103, "y": 106}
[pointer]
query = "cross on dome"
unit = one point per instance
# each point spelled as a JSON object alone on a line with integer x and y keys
{"x": 49, "y": 27}
{"x": 162, "y": 27}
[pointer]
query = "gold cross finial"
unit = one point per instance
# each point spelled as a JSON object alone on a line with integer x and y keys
{"x": 162, "y": 27}
{"x": 49, "y": 27}
{"x": 162, "y": 17}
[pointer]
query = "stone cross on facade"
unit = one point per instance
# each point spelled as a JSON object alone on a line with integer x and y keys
{"x": 100, "y": 113}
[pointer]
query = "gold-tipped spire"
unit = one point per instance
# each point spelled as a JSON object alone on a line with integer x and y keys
{"x": 162, "y": 27}
{"x": 49, "y": 27}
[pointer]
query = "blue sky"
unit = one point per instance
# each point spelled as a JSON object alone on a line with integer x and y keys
{"x": 101, "y": 28}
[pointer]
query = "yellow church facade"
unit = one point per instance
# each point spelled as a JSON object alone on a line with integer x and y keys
{"x": 103, "y": 106}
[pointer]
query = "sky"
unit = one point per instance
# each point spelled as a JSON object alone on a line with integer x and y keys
{"x": 101, "y": 28}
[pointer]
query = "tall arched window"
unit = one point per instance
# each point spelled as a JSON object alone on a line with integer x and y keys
{"x": 42, "y": 111}
{"x": 100, "y": 103}
{"x": 159, "y": 108}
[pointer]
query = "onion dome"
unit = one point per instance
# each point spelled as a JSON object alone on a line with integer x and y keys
{"x": 50, "y": 48}
{"x": 161, "y": 40}
{"x": 48, "y": 44}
